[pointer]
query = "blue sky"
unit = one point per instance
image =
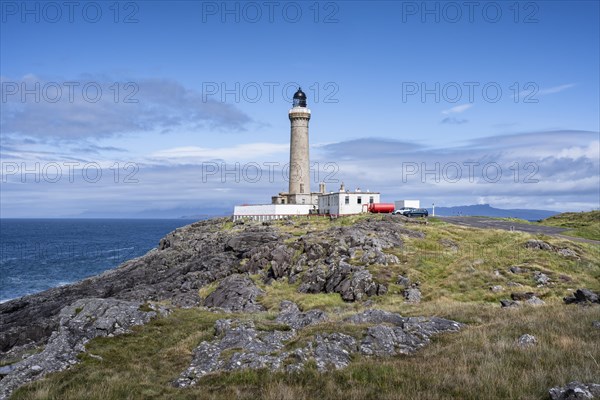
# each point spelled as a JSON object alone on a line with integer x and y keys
{"x": 498, "y": 103}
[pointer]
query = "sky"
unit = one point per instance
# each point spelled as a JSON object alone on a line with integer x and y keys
{"x": 166, "y": 109}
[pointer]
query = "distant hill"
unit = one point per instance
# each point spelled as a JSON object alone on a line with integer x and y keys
{"x": 171, "y": 213}
{"x": 485, "y": 210}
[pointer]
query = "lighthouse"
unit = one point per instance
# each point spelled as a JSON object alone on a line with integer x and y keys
{"x": 299, "y": 200}
{"x": 299, "y": 167}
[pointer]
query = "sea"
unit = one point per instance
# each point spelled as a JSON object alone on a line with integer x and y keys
{"x": 39, "y": 254}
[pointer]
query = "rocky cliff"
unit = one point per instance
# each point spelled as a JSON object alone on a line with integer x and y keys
{"x": 227, "y": 267}
{"x": 201, "y": 253}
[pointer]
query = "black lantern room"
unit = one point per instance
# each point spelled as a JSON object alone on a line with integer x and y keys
{"x": 299, "y": 98}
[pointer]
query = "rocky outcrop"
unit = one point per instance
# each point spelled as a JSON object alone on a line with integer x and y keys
{"x": 575, "y": 391}
{"x": 240, "y": 345}
{"x": 78, "y": 323}
{"x": 583, "y": 296}
{"x": 536, "y": 244}
{"x": 192, "y": 257}
{"x": 333, "y": 260}
{"x": 236, "y": 293}
{"x": 290, "y": 315}
{"x": 351, "y": 282}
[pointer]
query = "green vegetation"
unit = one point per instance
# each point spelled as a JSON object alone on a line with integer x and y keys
{"x": 582, "y": 224}
{"x": 480, "y": 362}
{"x": 456, "y": 266}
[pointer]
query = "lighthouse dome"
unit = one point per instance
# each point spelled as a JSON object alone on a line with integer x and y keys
{"x": 299, "y": 98}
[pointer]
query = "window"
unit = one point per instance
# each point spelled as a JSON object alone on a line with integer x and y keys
{"x": 370, "y": 199}
{"x": 347, "y": 200}
{"x": 359, "y": 200}
{"x": 301, "y": 188}
{"x": 303, "y": 201}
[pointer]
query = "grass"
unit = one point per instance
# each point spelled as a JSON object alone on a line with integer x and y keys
{"x": 482, "y": 361}
{"x": 583, "y": 224}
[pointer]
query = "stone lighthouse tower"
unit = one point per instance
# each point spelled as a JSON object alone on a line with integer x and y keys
{"x": 299, "y": 183}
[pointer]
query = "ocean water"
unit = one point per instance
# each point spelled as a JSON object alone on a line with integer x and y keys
{"x": 38, "y": 254}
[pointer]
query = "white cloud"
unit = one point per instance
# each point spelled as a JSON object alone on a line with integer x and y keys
{"x": 457, "y": 109}
{"x": 241, "y": 152}
{"x": 556, "y": 89}
{"x": 82, "y": 108}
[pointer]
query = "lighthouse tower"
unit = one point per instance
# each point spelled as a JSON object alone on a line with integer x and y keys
{"x": 299, "y": 175}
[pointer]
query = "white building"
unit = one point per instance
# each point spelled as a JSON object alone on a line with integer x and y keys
{"x": 345, "y": 202}
{"x": 265, "y": 212}
{"x": 407, "y": 203}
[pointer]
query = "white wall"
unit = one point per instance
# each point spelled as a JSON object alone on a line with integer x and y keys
{"x": 264, "y": 212}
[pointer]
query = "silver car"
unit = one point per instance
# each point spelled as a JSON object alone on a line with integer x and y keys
{"x": 403, "y": 211}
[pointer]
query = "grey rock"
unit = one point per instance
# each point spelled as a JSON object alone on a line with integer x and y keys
{"x": 314, "y": 280}
{"x": 256, "y": 349}
{"x": 84, "y": 320}
{"x": 496, "y": 288}
{"x": 575, "y": 391}
{"x": 518, "y": 270}
{"x": 540, "y": 278}
{"x": 281, "y": 261}
{"x": 352, "y": 283}
{"x": 382, "y": 340}
{"x": 411, "y": 335}
{"x": 248, "y": 240}
{"x": 596, "y": 324}
{"x": 428, "y": 326}
{"x": 412, "y": 294}
{"x": 290, "y": 315}
{"x": 509, "y": 303}
{"x": 582, "y": 296}
{"x": 259, "y": 349}
{"x": 6, "y": 369}
{"x": 376, "y": 317}
{"x": 538, "y": 245}
{"x": 403, "y": 281}
{"x": 535, "y": 301}
{"x": 568, "y": 253}
{"x": 526, "y": 340}
{"x": 334, "y": 351}
{"x": 520, "y": 296}
{"x": 235, "y": 293}
{"x": 164, "y": 244}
